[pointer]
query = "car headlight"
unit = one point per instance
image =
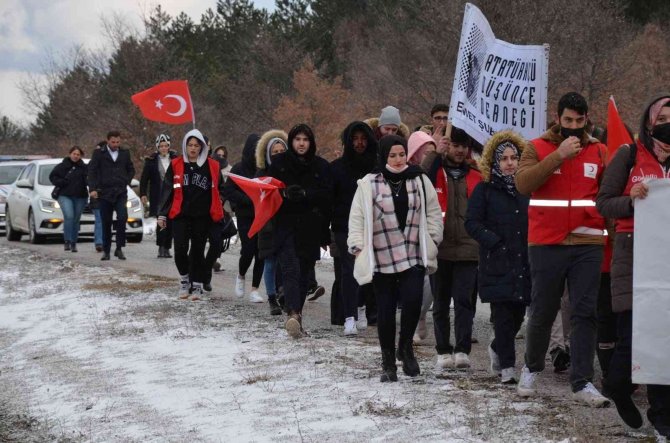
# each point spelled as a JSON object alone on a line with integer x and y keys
{"x": 3, "y": 199}
{"x": 134, "y": 204}
{"x": 47, "y": 205}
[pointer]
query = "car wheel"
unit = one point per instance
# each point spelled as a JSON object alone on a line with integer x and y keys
{"x": 33, "y": 236}
{"x": 12, "y": 234}
{"x": 134, "y": 238}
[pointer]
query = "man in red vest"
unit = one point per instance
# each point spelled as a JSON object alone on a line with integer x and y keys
{"x": 561, "y": 171}
{"x": 458, "y": 254}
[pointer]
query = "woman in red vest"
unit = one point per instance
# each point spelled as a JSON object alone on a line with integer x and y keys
{"x": 624, "y": 183}
{"x": 190, "y": 198}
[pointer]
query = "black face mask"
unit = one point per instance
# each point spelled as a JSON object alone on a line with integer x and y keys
{"x": 661, "y": 133}
{"x": 569, "y": 132}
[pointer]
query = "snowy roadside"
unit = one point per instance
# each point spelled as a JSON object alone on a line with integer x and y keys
{"x": 98, "y": 354}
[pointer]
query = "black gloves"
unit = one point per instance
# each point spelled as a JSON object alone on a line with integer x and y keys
{"x": 294, "y": 193}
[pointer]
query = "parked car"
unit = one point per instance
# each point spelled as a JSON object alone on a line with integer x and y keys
{"x": 31, "y": 210}
{"x": 9, "y": 171}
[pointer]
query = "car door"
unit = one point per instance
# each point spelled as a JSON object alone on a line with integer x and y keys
{"x": 19, "y": 208}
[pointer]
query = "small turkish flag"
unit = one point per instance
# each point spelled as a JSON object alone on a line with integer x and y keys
{"x": 264, "y": 194}
{"x": 167, "y": 102}
{"x": 617, "y": 134}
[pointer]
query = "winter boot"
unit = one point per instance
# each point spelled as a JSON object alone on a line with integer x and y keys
{"x": 605, "y": 352}
{"x": 294, "y": 325}
{"x": 73, "y": 247}
{"x": 161, "y": 254}
{"x": 627, "y": 410}
{"x": 166, "y": 253}
{"x": 388, "y": 366}
{"x": 275, "y": 309}
{"x": 406, "y": 355}
{"x": 66, "y": 246}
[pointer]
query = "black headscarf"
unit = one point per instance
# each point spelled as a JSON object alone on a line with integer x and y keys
{"x": 385, "y": 145}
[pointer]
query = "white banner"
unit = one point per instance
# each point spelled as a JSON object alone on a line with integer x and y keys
{"x": 498, "y": 85}
{"x": 651, "y": 287}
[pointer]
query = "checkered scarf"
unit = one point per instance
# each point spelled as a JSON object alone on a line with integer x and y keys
{"x": 395, "y": 250}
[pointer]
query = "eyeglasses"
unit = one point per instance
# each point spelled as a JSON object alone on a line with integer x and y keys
{"x": 441, "y": 117}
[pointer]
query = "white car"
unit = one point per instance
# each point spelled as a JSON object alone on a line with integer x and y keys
{"x": 9, "y": 171}
{"x": 31, "y": 210}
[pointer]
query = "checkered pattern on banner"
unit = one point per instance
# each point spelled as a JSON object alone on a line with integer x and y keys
{"x": 474, "y": 52}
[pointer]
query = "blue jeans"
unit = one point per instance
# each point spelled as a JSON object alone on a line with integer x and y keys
{"x": 97, "y": 230}
{"x": 72, "y": 208}
{"x": 269, "y": 273}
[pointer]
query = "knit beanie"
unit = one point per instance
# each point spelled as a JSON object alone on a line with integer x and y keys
{"x": 390, "y": 116}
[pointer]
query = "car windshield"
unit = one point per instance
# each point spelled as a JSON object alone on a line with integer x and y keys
{"x": 43, "y": 179}
{"x": 8, "y": 173}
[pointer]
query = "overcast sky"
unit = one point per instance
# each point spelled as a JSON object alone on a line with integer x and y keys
{"x": 30, "y": 30}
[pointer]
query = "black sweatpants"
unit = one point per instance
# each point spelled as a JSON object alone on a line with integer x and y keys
{"x": 249, "y": 252}
{"x": 190, "y": 237}
{"x": 507, "y": 320}
{"x": 214, "y": 250}
{"x": 406, "y": 287}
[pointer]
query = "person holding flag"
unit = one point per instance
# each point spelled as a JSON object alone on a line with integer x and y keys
{"x": 298, "y": 222}
{"x": 191, "y": 200}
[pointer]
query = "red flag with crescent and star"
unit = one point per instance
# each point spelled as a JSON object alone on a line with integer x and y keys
{"x": 167, "y": 102}
{"x": 617, "y": 134}
{"x": 264, "y": 194}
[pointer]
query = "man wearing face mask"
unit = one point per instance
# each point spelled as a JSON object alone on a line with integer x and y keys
{"x": 561, "y": 171}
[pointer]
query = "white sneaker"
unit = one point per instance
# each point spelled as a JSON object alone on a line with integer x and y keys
{"x": 239, "y": 286}
{"x": 350, "y": 326}
{"x": 362, "y": 322}
{"x": 526, "y": 386}
{"x": 461, "y": 360}
{"x": 184, "y": 286}
{"x": 590, "y": 396}
{"x": 508, "y": 376}
{"x": 495, "y": 361}
{"x": 196, "y": 292}
{"x": 444, "y": 361}
{"x": 255, "y": 297}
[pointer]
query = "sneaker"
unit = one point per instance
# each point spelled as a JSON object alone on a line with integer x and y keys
{"x": 526, "y": 386}
{"x": 255, "y": 297}
{"x": 461, "y": 360}
{"x": 627, "y": 410}
{"x": 239, "y": 286}
{"x": 275, "y": 309}
{"x": 196, "y": 292}
{"x": 362, "y": 322}
{"x": 508, "y": 376}
{"x": 444, "y": 361}
{"x": 184, "y": 287}
{"x": 350, "y": 326}
{"x": 590, "y": 396}
{"x": 207, "y": 287}
{"x": 316, "y": 292}
{"x": 495, "y": 361}
{"x": 293, "y": 326}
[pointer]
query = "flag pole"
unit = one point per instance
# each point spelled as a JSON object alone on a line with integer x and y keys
{"x": 192, "y": 106}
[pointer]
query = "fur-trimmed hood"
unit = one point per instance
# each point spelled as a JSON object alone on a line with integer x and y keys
{"x": 262, "y": 146}
{"x": 403, "y": 129}
{"x": 486, "y": 161}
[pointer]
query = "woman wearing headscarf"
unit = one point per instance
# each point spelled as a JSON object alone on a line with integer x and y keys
{"x": 497, "y": 218}
{"x": 395, "y": 225}
{"x": 622, "y": 185}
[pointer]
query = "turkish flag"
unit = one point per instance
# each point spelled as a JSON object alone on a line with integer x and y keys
{"x": 617, "y": 134}
{"x": 167, "y": 102}
{"x": 264, "y": 194}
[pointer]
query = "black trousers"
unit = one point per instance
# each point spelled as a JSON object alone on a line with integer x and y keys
{"x": 619, "y": 380}
{"x": 294, "y": 270}
{"x": 606, "y": 324}
{"x": 249, "y": 252}
{"x": 214, "y": 250}
{"x": 351, "y": 294}
{"x": 190, "y": 237}
{"x": 164, "y": 236}
{"x": 107, "y": 209}
{"x": 405, "y": 287}
{"x": 455, "y": 280}
{"x": 507, "y": 320}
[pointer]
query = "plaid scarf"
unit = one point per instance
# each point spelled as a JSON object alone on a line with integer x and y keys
{"x": 395, "y": 250}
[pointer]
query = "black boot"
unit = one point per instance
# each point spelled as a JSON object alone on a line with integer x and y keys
{"x": 166, "y": 253}
{"x": 73, "y": 247}
{"x": 388, "y": 366}
{"x": 627, "y": 409}
{"x": 66, "y": 246}
{"x": 406, "y": 355}
{"x": 275, "y": 309}
{"x": 118, "y": 253}
{"x": 161, "y": 252}
{"x": 604, "y": 358}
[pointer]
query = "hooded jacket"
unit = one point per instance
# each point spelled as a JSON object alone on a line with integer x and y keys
{"x": 613, "y": 203}
{"x": 498, "y": 221}
{"x": 403, "y": 129}
{"x": 347, "y": 170}
{"x": 239, "y": 201}
{"x": 416, "y": 146}
{"x": 309, "y": 217}
{"x": 151, "y": 181}
{"x": 192, "y": 190}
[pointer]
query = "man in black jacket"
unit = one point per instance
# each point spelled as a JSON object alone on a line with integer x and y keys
{"x": 109, "y": 173}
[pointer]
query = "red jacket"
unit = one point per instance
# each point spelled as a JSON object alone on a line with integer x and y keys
{"x": 566, "y": 201}
{"x": 646, "y": 167}
{"x": 215, "y": 209}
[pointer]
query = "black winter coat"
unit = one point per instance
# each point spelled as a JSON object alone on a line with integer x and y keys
{"x": 110, "y": 177}
{"x": 71, "y": 178}
{"x": 239, "y": 201}
{"x": 499, "y": 223}
{"x": 152, "y": 181}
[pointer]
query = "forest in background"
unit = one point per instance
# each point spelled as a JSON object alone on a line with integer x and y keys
{"x": 328, "y": 62}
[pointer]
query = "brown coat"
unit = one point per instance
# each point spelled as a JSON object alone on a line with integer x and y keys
{"x": 533, "y": 174}
{"x": 612, "y": 204}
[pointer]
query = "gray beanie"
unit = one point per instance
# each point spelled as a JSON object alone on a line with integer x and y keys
{"x": 390, "y": 116}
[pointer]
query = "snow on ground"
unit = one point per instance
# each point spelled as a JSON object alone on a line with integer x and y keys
{"x": 97, "y": 354}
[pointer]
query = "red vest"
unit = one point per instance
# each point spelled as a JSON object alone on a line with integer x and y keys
{"x": 215, "y": 209}
{"x": 441, "y": 187}
{"x": 566, "y": 201}
{"x": 646, "y": 167}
